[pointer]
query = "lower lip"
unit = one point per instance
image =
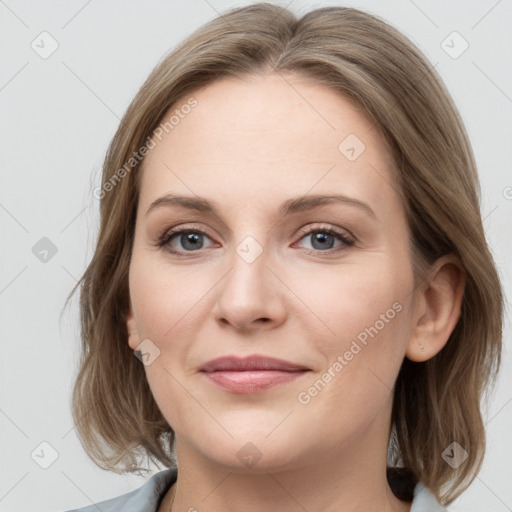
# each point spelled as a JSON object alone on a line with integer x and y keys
{"x": 252, "y": 381}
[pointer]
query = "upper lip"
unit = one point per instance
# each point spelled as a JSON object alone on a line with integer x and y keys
{"x": 254, "y": 362}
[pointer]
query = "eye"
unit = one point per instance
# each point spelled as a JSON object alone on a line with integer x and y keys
{"x": 186, "y": 241}
{"x": 323, "y": 239}
{"x": 190, "y": 240}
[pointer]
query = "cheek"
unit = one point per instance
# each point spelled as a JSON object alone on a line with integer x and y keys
{"x": 165, "y": 301}
{"x": 361, "y": 361}
{"x": 365, "y": 326}
{"x": 350, "y": 299}
{"x": 164, "y": 297}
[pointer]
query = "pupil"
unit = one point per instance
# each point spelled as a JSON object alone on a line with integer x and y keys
{"x": 321, "y": 237}
{"x": 192, "y": 239}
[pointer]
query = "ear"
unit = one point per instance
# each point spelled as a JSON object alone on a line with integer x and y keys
{"x": 133, "y": 333}
{"x": 437, "y": 310}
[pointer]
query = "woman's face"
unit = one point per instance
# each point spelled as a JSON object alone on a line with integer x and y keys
{"x": 325, "y": 285}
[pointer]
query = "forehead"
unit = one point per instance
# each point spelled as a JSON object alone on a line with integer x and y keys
{"x": 267, "y": 138}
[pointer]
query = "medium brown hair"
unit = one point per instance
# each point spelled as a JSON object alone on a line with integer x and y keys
{"x": 362, "y": 57}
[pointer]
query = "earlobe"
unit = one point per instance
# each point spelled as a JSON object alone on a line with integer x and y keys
{"x": 439, "y": 305}
{"x": 131, "y": 327}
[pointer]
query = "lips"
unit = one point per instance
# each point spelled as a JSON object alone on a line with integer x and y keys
{"x": 250, "y": 374}
{"x": 255, "y": 362}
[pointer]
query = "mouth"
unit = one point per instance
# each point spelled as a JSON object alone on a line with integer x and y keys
{"x": 250, "y": 374}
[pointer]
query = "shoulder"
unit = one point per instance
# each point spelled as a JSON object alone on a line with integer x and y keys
{"x": 425, "y": 501}
{"x": 144, "y": 499}
{"x": 147, "y": 497}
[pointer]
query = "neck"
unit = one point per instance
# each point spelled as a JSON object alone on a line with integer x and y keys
{"x": 351, "y": 478}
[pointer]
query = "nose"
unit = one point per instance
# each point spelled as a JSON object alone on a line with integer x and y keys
{"x": 250, "y": 295}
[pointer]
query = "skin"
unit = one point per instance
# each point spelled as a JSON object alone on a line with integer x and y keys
{"x": 248, "y": 146}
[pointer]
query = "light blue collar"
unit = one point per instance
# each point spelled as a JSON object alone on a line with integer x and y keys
{"x": 148, "y": 497}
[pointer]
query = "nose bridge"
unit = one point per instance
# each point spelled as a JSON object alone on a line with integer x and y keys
{"x": 248, "y": 292}
{"x": 249, "y": 269}
{"x": 250, "y": 250}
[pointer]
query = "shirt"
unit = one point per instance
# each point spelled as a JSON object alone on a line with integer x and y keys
{"x": 148, "y": 497}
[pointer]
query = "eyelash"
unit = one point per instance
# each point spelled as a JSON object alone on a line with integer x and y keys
{"x": 167, "y": 235}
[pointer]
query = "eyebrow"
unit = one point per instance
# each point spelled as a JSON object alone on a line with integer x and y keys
{"x": 293, "y": 205}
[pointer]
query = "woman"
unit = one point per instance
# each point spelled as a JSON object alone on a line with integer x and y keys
{"x": 291, "y": 246}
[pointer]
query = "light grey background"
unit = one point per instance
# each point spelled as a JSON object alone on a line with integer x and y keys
{"x": 57, "y": 117}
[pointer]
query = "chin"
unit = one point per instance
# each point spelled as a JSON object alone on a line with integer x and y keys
{"x": 251, "y": 450}
{"x": 257, "y": 456}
